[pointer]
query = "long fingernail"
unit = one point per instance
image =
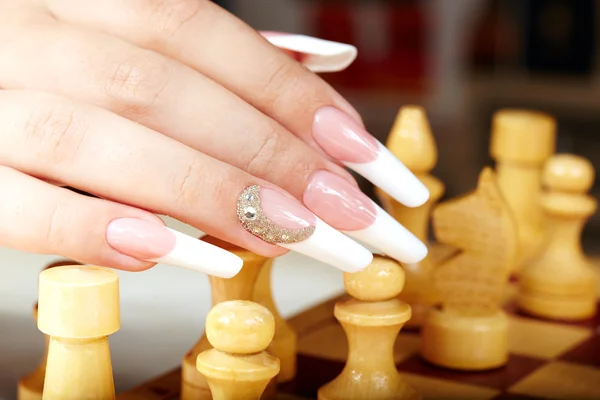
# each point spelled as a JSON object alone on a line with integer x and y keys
{"x": 318, "y": 55}
{"x": 348, "y": 209}
{"x": 152, "y": 242}
{"x": 280, "y": 220}
{"x": 343, "y": 139}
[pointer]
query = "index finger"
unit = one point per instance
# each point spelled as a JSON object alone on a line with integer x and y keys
{"x": 222, "y": 47}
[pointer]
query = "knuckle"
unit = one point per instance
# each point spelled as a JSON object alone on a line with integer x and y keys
{"x": 167, "y": 17}
{"x": 54, "y": 132}
{"x": 55, "y": 235}
{"x": 138, "y": 81}
{"x": 267, "y": 153}
{"x": 280, "y": 78}
{"x": 297, "y": 169}
{"x": 196, "y": 189}
{"x": 187, "y": 185}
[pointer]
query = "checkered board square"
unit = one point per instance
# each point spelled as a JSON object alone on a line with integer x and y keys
{"x": 548, "y": 360}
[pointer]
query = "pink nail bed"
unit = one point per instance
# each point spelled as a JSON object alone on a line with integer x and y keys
{"x": 285, "y": 212}
{"x": 139, "y": 238}
{"x": 148, "y": 241}
{"x": 343, "y": 138}
{"x": 346, "y": 208}
{"x": 339, "y": 203}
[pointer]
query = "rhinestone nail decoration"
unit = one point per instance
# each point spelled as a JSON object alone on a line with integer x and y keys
{"x": 254, "y": 221}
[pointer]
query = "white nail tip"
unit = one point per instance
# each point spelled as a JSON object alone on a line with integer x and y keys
{"x": 321, "y": 55}
{"x": 197, "y": 255}
{"x": 393, "y": 177}
{"x": 392, "y": 239}
{"x": 334, "y": 248}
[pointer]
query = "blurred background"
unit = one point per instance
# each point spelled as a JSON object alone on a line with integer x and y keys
{"x": 461, "y": 60}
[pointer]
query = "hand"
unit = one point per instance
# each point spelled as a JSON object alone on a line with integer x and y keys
{"x": 176, "y": 107}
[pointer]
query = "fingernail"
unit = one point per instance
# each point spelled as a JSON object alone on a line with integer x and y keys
{"x": 152, "y": 242}
{"x": 343, "y": 139}
{"x": 346, "y": 208}
{"x": 317, "y": 55}
{"x": 283, "y": 221}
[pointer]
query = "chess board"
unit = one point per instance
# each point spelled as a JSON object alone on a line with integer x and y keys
{"x": 549, "y": 360}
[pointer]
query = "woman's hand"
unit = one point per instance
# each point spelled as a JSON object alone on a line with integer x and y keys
{"x": 176, "y": 107}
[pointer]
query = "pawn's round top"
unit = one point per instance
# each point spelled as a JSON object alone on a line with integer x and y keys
{"x": 410, "y": 140}
{"x": 568, "y": 173}
{"x": 383, "y": 279}
{"x": 79, "y": 302}
{"x": 522, "y": 136}
{"x": 240, "y": 327}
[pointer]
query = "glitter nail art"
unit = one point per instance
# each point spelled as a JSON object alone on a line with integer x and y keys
{"x": 253, "y": 219}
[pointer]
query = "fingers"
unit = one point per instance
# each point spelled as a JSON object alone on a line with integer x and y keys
{"x": 165, "y": 96}
{"x": 148, "y": 88}
{"x": 210, "y": 40}
{"x": 97, "y": 232}
{"x": 103, "y": 154}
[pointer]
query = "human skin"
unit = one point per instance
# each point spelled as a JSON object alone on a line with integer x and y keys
{"x": 170, "y": 107}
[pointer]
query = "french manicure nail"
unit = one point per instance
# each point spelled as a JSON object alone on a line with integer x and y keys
{"x": 283, "y": 221}
{"x": 346, "y": 208}
{"x": 343, "y": 139}
{"x": 152, "y": 242}
{"x": 318, "y": 55}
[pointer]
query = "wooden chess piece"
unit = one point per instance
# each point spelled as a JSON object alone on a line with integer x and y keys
{"x": 31, "y": 386}
{"x": 238, "y": 367}
{"x": 78, "y": 309}
{"x": 413, "y": 143}
{"x": 469, "y": 329}
{"x": 372, "y": 320}
{"x": 240, "y": 287}
{"x": 285, "y": 343}
{"x": 561, "y": 283}
{"x": 521, "y": 143}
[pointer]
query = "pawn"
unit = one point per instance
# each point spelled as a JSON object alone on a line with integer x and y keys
{"x": 78, "y": 308}
{"x": 284, "y": 345}
{"x": 521, "y": 142}
{"x": 239, "y": 287}
{"x": 561, "y": 284}
{"x": 238, "y": 367}
{"x": 412, "y": 142}
{"x": 371, "y": 320}
{"x": 31, "y": 386}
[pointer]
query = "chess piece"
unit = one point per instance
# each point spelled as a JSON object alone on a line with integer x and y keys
{"x": 238, "y": 367}
{"x": 412, "y": 142}
{"x": 561, "y": 283}
{"x": 285, "y": 343}
{"x": 372, "y": 320}
{"x": 240, "y": 287}
{"x": 78, "y": 309}
{"x": 32, "y": 385}
{"x": 521, "y": 143}
{"x": 469, "y": 330}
